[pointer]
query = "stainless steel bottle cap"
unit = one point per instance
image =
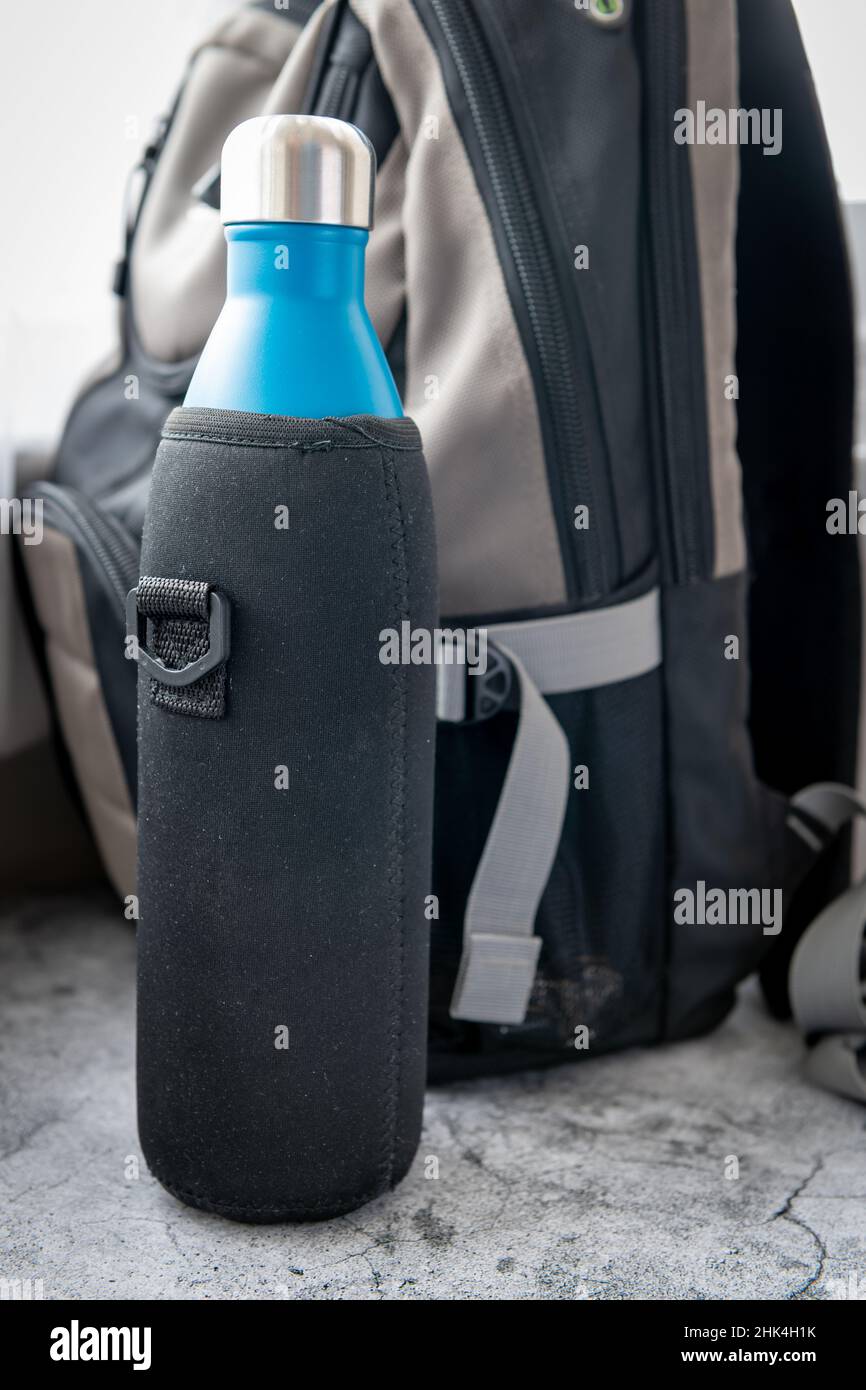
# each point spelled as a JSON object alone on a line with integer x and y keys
{"x": 297, "y": 169}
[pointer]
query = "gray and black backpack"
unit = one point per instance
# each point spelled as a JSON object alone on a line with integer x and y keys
{"x": 609, "y": 272}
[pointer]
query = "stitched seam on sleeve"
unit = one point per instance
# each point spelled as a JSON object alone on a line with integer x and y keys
{"x": 396, "y": 840}
{"x": 296, "y": 446}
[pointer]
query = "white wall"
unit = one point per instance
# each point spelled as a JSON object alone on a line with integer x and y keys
{"x": 834, "y": 34}
{"x": 81, "y": 82}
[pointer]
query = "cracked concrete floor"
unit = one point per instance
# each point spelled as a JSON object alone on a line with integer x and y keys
{"x": 600, "y": 1181}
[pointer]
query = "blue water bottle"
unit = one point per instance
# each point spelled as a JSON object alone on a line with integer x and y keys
{"x": 294, "y": 337}
{"x": 285, "y": 756}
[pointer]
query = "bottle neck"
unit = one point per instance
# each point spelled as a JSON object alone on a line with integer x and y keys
{"x": 297, "y": 260}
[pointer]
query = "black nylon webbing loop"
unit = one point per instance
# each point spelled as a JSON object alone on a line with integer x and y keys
{"x": 178, "y": 612}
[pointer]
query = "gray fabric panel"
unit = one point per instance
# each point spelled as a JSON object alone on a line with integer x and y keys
{"x": 500, "y": 952}
{"x": 178, "y": 262}
{"x": 58, "y": 596}
{"x": 385, "y": 285}
{"x": 714, "y": 78}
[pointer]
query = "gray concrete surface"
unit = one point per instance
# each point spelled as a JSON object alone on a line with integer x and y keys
{"x": 601, "y": 1181}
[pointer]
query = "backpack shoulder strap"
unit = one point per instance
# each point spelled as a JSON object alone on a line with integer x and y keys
{"x": 827, "y": 976}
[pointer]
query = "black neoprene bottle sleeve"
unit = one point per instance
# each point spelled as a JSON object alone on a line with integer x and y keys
{"x": 284, "y": 813}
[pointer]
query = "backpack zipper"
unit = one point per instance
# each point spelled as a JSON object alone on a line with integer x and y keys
{"x": 100, "y": 535}
{"x": 675, "y": 337}
{"x": 332, "y": 100}
{"x": 516, "y": 208}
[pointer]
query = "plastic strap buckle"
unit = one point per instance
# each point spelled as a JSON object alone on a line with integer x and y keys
{"x": 495, "y": 979}
{"x": 465, "y": 696}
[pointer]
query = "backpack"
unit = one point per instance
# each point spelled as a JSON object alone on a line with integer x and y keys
{"x": 587, "y": 273}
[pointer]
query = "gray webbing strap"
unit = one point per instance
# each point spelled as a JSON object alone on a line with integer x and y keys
{"x": 582, "y": 650}
{"x": 576, "y": 652}
{"x": 831, "y": 804}
{"x": 827, "y": 979}
{"x": 548, "y": 656}
{"x": 500, "y": 953}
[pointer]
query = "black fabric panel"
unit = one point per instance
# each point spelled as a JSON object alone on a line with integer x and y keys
{"x": 301, "y": 907}
{"x": 727, "y": 828}
{"x": 109, "y": 441}
{"x": 670, "y": 305}
{"x": 322, "y": 55}
{"x": 561, "y": 71}
{"x": 601, "y": 917}
{"x": 373, "y": 111}
{"x": 396, "y": 354}
{"x": 795, "y": 362}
